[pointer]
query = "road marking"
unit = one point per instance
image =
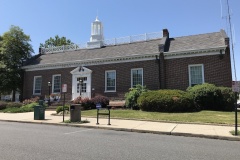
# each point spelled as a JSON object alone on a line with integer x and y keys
{"x": 78, "y": 131}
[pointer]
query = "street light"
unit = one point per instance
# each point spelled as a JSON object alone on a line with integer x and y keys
{"x": 80, "y": 85}
{"x": 49, "y": 89}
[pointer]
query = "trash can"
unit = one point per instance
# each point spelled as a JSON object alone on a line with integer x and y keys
{"x": 75, "y": 113}
{"x": 39, "y": 112}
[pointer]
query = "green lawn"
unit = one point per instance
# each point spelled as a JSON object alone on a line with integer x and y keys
{"x": 213, "y": 117}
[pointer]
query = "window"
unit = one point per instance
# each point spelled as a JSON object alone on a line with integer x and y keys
{"x": 196, "y": 74}
{"x": 110, "y": 81}
{"x": 83, "y": 86}
{"x": 136, "y": 77}
{"x": 56, "y": 83}
{"x": 37, "y": 85}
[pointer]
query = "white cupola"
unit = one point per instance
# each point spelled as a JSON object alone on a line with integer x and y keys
{"x": 96, "y": 40}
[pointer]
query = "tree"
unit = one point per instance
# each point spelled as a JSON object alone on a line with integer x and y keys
{"x": 56, "y": 41}
{"x": 14, "y": 48}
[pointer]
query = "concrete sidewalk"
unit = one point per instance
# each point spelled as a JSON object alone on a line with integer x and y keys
{"x": 193, "y": 130}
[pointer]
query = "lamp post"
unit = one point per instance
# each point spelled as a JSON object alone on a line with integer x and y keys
{"x": 49, "y": 89}
{"x": 80, "y": 86}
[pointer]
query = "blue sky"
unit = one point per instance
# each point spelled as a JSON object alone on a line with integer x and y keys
{"x": 42, "y": 19}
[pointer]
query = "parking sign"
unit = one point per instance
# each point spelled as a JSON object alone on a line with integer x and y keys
{"x": 64, "y": 88}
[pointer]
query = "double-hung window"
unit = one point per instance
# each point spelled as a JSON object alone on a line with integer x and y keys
{"x": 110, "y": 81}
{"x": 136, "y": 77}
{"x": 37, "y": 85}
{"x": 196, "y": 74}
{"x": 56, "y": 83}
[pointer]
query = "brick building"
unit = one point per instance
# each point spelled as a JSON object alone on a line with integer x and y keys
{"x": 111, "y": 67}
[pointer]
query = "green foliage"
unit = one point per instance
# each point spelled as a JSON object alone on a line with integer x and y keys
{"x": 210, "y": 97}
{"x": 166, "y": 101}
{"x": 14, "y": 47}
{"x": 3, "y": 105}
{"x": 25, "y": 108}
{"x": 60, "y": 109}
{"x": 132, "y": 96}
{"x": 83, "y": 121}
{"x": 14, "y": 105}
{"x": 228, "y": 98}
{"x": 56, "y": 41}
{"x": 233, "y": 132}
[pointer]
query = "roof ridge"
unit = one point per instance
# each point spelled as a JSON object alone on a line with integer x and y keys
{"x": 197, "y": 34}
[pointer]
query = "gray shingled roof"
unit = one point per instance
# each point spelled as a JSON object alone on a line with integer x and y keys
{"x": 124, "y": 50}
{"x": 193, "y": 42}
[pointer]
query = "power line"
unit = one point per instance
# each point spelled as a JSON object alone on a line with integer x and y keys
{"x": 231, "y": 40}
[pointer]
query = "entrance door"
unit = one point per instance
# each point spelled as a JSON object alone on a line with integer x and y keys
{"x": 85, "y": 88}
{"x": 82, "y": 88}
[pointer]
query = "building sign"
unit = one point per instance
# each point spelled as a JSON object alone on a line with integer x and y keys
{"x": 236, "y": 86}
{"x": 64, "y": 88}
{"x": 98, "y": 106}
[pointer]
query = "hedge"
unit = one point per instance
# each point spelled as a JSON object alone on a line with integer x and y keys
{"x": 166, "y": 101}
{"x": 210, "y": 97}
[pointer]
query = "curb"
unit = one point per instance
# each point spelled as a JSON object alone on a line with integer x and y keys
{"x": 132, "y": 130}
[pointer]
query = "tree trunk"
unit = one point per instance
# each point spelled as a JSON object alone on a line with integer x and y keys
{"x": 13, "y": 95}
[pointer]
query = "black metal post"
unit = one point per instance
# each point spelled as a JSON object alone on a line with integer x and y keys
{"x": 109, "y": 117}
{"x": 80, "y": 86}
{"x": 63, "y": 105}
{"x": 236, "y": 120}
{"x": 49, "y": 89}
{"x": 97, "y": 115}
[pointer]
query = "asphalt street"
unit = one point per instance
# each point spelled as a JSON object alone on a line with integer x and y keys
{"x": 39, "y": 141}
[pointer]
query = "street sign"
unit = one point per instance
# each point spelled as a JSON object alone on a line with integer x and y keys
{"x": 236, "y": 86}
{"x": 64, "y": 88}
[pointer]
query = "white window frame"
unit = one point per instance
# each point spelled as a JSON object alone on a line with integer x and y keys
{"x": 106, "y": 81}
{"x": 34, "y": 85}
{"x": 53, "y": 76}
{"x": 133, "y": 69}
{"x": 189, "y": 72}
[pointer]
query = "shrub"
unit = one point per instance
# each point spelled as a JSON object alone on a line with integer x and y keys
{"x": 228, "y": 98}
{"x": 104, "y": 101}
{"x": 60, "y": 109}
{"x": 31, "y": 100}
{"x": 210, "y": 97}
{"x": 14, "y": 105}
{"x": 25, "y": 108}
{"x": 3, "y": 105}
{"x": 77, "y": 100}
{"x": 87, "y": 103}
{"x": 132, "y": 96}
{"x": 166, "y": 101}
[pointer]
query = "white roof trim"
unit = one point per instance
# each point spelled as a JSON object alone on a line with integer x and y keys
{"x": 91, "y": 62}
{"x": 198, "y": 50}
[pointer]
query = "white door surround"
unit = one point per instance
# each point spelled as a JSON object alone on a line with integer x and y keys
{"x": 86, "y": 75}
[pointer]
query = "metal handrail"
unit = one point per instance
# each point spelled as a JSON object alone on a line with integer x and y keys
{"x": 108, "y": 42}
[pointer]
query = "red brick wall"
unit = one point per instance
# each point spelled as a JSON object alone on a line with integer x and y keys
{"x": 216, "y": 71}
{"x": 123, "y": 78}
{"x": 66, "y": 78}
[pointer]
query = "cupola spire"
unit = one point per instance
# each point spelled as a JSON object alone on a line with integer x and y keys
{"x": 97, "y": 38}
